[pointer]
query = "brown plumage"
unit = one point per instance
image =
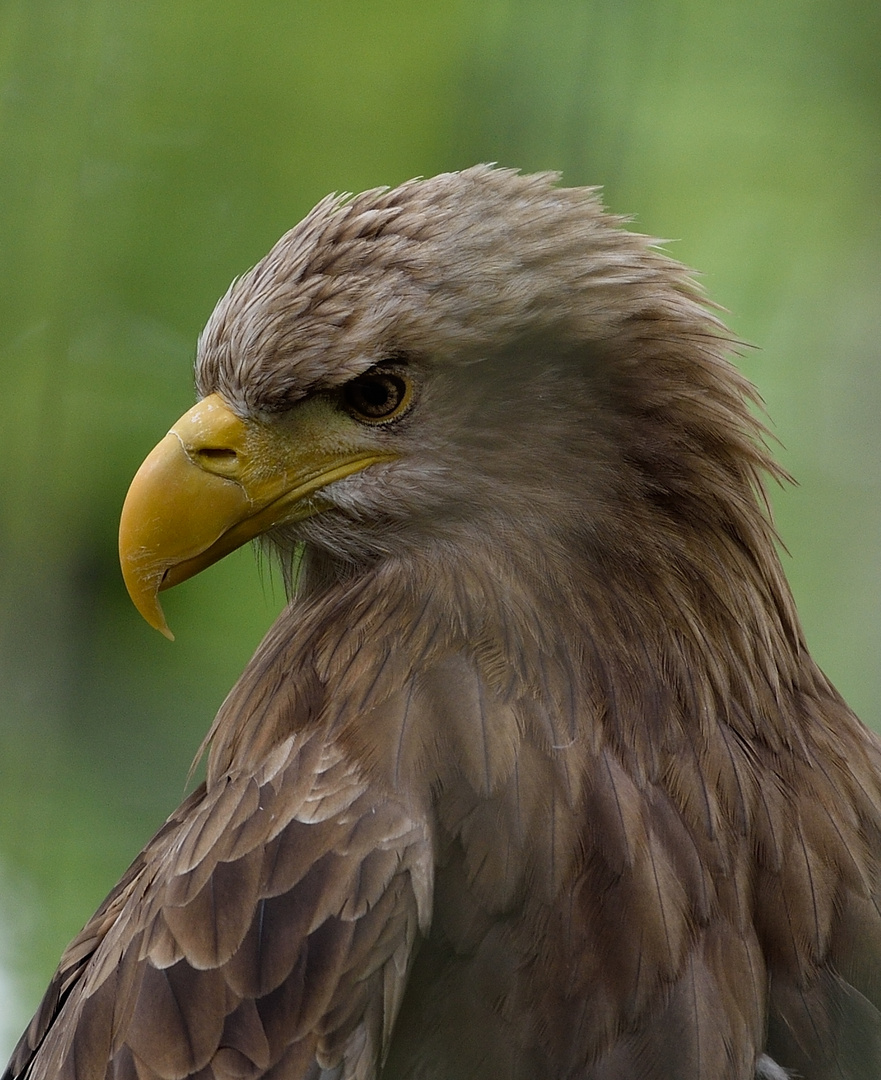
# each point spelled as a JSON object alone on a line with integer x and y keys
{"x": 534, "y": 777}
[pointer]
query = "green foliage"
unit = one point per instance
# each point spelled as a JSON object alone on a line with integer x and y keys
{"x": 150, "y": 152}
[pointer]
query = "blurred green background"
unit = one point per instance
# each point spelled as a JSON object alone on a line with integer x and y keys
{"x": 151, "y": 151}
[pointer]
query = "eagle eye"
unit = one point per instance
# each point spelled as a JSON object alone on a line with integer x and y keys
{"x": 379, "y": 396}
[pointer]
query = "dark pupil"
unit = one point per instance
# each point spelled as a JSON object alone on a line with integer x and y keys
{"x": 375, "y": 395}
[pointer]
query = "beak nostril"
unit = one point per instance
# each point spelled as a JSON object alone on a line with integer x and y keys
{"x": 216, "y": 453}
{"x": 219, "y": 460}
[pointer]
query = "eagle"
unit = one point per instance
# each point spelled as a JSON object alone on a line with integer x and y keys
{"x": 534, "y": 778}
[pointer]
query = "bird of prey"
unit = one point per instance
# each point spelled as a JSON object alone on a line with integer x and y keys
{"x": 534, "y": 778}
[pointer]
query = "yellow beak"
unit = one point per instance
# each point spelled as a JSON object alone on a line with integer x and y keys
{"x": 216, "y": 481}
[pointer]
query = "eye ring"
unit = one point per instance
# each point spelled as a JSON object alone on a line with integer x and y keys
{"x": 379, "y": 396}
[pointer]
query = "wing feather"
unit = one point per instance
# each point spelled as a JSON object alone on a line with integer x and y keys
{"x": 268, "y": 926}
